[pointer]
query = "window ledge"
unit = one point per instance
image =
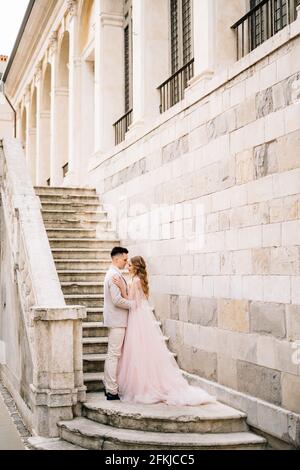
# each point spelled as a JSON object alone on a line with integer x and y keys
{"x": 199, "y": 89}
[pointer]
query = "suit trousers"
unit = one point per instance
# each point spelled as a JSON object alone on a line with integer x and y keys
{"x": 115, "y": 342}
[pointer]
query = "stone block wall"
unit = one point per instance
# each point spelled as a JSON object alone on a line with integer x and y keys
{"x": 228, "y": 163}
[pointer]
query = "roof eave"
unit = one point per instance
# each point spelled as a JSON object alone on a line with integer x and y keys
{"x": 18, "y": 40}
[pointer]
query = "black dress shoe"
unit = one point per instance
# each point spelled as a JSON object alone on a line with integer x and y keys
{"x": 110, "y": 396}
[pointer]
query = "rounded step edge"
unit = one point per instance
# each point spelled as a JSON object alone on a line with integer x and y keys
{"x": 51, "y": 443}
{"x": 205, "y": 418}
{"x": 91, "y": 435}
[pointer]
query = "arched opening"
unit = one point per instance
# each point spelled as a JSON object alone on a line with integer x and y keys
{"x": 31, "y": 151}
{"x": 44, "y": 137}
{"x": 62, "y": 105}
{"x": 87, "y": 18}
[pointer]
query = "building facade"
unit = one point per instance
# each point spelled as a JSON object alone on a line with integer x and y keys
{"x": 6, "y": 113}
{"x": 185, "y": 116}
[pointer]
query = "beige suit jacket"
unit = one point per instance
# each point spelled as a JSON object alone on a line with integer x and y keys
{"x": 116, "y": 308}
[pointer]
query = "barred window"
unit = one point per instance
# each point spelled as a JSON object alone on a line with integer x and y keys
{"x": 273, "y": 16}
{"x": 128, "y": 54}
{"x": 181, "y": 33}
{"x": 258, "y": 25}
{"x": 264, "y": 19}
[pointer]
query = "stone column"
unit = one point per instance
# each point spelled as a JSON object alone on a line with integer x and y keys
{"x": 27, "y": 107}
{"x": 72, "y": 176}
{"x": 150, "y": 57}
{"x": 56, "y": 116}
{"x": 18, "y": 122}
{"x": 214, "y": 40}
{"x": 31, "y": 149}
{"x": 39, "y": 157}
{"x": 109, "y": 71}
{"x": 57, "y": 366}
{"x": 204, "y": 38}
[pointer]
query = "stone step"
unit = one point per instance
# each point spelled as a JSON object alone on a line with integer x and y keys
{"x": 51, "y": 443}
{"x": 81, "y": 253}
{"x": 76, "y": 215}
{"x": 95, "y": 362}
{"x": 94, "y": 329}
{"x": 159, "y": 417}
{"x": 91, "y": 435}
{"x": 82, "y": 264}
{"x": 82, "y": 243}
{"x": 81, "y": 276}
{"x": 65, "y": 206}
{"x": 93, "y": 381}
{"x": 94, "y": 315}
{"x": 96, "y": 345}
{"x": 86, "y": 233}
{"x": 88, "y": 300}
{"x": 77, "y": 222}
{"x": 82, "y": 287}
{"x": 72, "y": 199}
{"x": 61, "y": 190}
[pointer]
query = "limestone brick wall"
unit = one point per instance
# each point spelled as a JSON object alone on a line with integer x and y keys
{"x": 229, "y": 163}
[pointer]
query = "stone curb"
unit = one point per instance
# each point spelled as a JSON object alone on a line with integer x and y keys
{"x": 15, "y": 416}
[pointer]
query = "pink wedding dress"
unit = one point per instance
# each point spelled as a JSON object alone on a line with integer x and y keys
{"x": 147, "y": 372}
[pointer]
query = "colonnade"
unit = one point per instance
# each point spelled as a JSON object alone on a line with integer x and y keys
{"x": 76, "y": 92}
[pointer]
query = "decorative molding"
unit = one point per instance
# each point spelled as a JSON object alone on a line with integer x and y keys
{"x": 62, "y": 91}
{"x": 38, "y": 71}
{"x": 71, "y": 8}
{"x": 53, "y": 42}
{"x": 110, "y": 19}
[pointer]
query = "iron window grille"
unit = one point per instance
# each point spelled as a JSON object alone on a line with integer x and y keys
{"x": 264, "y": 19}
{"x": 181, "y": 52}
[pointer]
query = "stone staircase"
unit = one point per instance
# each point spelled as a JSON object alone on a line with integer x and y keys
{"x": 119, "y": 426}
{"x": 81, "y": 239}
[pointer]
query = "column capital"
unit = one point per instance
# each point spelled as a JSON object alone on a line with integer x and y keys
{"x": 38, "y": 71}
{"x": 53, "y": 42}
{"x": 111, "y": 19}
{"x": 71, "y": 8}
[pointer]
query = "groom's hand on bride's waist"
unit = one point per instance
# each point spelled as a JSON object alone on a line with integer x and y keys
{"x": 117, "y": 280}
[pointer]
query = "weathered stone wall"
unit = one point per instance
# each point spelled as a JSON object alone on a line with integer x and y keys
{"x": 15, "y": 360}
{"x": 231, "y": 306}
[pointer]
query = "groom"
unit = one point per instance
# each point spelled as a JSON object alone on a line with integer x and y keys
{"x": 115, "y": 315}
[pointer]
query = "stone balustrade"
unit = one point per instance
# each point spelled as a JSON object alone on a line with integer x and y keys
{"x": 41, "y": 361}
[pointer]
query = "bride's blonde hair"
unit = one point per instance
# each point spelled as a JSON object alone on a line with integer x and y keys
{"x": 140, "y": 270}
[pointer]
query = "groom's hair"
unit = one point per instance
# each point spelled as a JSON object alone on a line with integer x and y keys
{"x": 118, "y": 250}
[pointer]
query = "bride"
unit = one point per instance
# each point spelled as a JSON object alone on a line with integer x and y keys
{"x": 147, "y": 371}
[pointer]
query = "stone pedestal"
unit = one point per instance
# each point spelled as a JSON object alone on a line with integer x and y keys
{"x": 57, "y": 366}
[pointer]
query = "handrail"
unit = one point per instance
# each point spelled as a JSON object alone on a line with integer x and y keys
{"x": 172, "y": 90}
{"x": 52, "y": 382}
{"x": 176, "y": 73}
{"x": 122, "y": 125}
{"x": 249, "y": 13}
